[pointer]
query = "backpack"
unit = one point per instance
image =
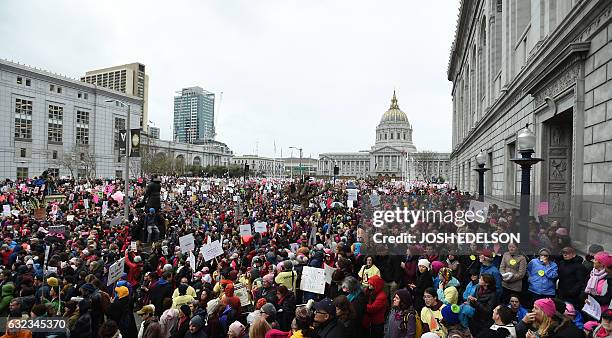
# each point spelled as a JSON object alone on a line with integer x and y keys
{"x": 418, "y": 325}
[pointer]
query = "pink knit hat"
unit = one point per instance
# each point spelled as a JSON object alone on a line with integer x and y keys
{"x": 569, "y": 309}
{"x": 547, "y": 305}
{"x": 436, "y": 266}
{"x": 604, "y": 258}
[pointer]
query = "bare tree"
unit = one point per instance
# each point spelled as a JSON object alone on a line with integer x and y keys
{"x": 425, "y": 161}
{"x": 68, "y": 161}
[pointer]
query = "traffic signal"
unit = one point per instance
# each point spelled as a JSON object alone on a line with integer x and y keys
{"x": 336, "y": 170}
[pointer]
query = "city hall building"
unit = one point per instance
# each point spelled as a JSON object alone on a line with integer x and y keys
{"x": 62, "y": 125}
{"x": 547, "y": 63}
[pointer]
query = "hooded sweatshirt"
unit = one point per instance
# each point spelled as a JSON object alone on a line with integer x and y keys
{"x": 376, "y": 308}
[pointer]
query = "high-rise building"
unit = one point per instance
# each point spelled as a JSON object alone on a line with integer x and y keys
{"x": 129, "y": 78}
{"x": 194, "y": 112}
{"x": 154, "y": 132}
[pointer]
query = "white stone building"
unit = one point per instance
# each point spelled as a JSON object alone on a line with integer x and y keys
{"x": 209, "y": 153}
{"x": 393, "y": 154}
{"x": 47, "y": 119}
{"x": 261, "y": 166}
{"x": 547, "y": 63}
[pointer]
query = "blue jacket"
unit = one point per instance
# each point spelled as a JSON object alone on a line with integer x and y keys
{"x": 542, "y": 285}
{"x": 470, "y": 290}
{"x": 493, "y": 271}
{"x": 521, "y": 313}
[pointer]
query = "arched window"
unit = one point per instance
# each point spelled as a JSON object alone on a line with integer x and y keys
{"x": 391, "y": 134}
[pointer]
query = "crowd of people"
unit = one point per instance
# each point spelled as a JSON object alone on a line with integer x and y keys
{"x": 63, "y": 237}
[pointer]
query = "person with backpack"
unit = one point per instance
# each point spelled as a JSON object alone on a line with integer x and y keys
{"x": 402, "y": 321}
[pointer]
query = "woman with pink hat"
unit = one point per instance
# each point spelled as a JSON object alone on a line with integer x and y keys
{"x": 600, "y": 281}
{"x": 546, "y": 321}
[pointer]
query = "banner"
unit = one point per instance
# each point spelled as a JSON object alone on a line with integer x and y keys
{"x": 187, "y": 243}
{"x": 57, "y": 229}
{"x": 115, "y": 271}
{"x": 133, "y": 246}
{"x": 121, "y": 142}
{"x": 135, "y": 143}
{"x": 352, "y": 194}
{"x": 6, "y": 210}
{"x": 245, "y": 230}
{"x": 212, "y": 250}
{"x": 313, "y": 280}
{"x": 261, "y": 227}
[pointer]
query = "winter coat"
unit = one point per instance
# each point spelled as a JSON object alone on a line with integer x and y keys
{"x": 423, "y": 282}
{"x": 162, "y": 289}
{"x": 7, "y": 297}
{"x": 83, "y": 328}
{"x": 572, "y": 278}
{"x": 518, "y": 270}
{"x": 410, "y": 270}
{"x": 181, "y": 300}
{"x": 390, "y": 268}
{"x": 493, "y": 271}
{"x": 285, "y": 311}
{"x": 119, "y": 311}
{"x": 169, "y": 321}
{"x": 286, "y": 278}
{"x": 333, "y": 329}
{"x": 542, "y": 277}
{"x": 359, "y": 302}
{"x": 484, "y": 304}
{"x": 470, "y": 290}
{"x": 152, "y": 328}
{"x": 134, "y": 271}
{"x": 449, "y": 295}
{"x": 375, "y": 309}
{"x": 497, "y": 331}
{"x": 394, "y": 320}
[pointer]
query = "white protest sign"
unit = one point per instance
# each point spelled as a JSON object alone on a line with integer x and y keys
{"x": 313, "y": 280}
{"x": 191, "y": 259}
{"x": 349, "y": 204}
{"x": 187, "y": 243}
{"x": 235, "y": 198}
{"x": 116, "y": 221}
{"x": 329, "y": 271}
{"x": 374, "y": 200}
{"x": 592, "y": 308}
{"x": 180, "y": 207}
{"x": 70, "y": 218}
{"x": 86, "y": 203}
{"x": 241, "y": 292}
{"x": 115, "y": 271}
{"x": 104, "y": 207}
{"x": 261, "y": 227}
{"x": 352, "y": 194}
{"x": 52, "y": 269}
{"x": 212, "y": 250}
{"x": 479, "y": 208}
{"x": 6, "y": 210}
{"x": 133, "y": 246}
{"x": 245, "y": 230}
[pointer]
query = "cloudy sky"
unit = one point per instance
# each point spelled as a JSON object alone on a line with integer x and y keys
{"x": 310, "y": 73}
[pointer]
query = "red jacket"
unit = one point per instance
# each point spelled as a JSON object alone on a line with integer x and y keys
{"x": 376, "y": 308}
{"x": 134, "y": 271}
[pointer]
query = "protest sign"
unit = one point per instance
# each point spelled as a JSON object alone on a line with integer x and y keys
{"x": 133, "y": 246}
{"x": 70, "y": 218}
{"x": 543, "y": 209}
{"x": 592, "y": 308}
{"x": 6, "y": 210}
{"x": 115, "y": 271}
{"x": 212, "y": 250}
{"x": 86, "y": 203}
{"x": 352, "y": 194}
{"x": 241, "y": 292}
{"x": 313, "y": 280}
{"x": 180, "y": 207}
{"x": 477, "y": 206}
{"x": 294, "y": 247}
{"x": 245, "y": 230}
{"x": 349, "y": 204}
{"x": 192, "y": 260}
{"x": 329, "y": 271}
{"x": 375, "y": 200}
{"x": 187, "y": 243}
{"x": 104, "y": 207}
{"x": 57, "y": 229}
{"x": 52, "y": 269}
{"x": 261, "y": 227}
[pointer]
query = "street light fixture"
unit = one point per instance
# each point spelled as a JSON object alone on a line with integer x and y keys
{"x": 126, "y": 198}
{"x": 480, "y": 161}
{"x": 526, "y": 143}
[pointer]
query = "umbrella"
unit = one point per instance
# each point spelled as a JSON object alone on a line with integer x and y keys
{"x": 337, "y": 204}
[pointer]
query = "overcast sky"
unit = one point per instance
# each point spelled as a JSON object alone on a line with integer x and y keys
{"x": 311, "y": 74}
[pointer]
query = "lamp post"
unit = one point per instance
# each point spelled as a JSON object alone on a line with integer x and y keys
{"x": 526, "y": 142}
{"x": 126, "y": 198}
{"x": 481, "y": 160}
{"x": 301, "y": 170}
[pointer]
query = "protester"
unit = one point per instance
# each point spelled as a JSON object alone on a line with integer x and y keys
{"x": 326, "y": 321}
{"x": 401, "y": 321}
{"x": 512, "y": 269}
{"x": 431, "y": 314}
{"x": 542, "y": 273}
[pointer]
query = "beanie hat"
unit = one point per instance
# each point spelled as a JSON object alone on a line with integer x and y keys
{"x": 604, "y": 258}
{"x": 236, "y": 329}
{"x": 269, "y": 278}
{"x": 436, "y": 266}
{"x": 260, "y": 302}
{"x": 569, "y": 309}
{"x": 547, "y": 305}
{"x": 269, "y": 309}
{"x": 424, "y": 262}
{"x": 562, "y": 232}
{"x": 595, "y": 248}
{"x": 450, "y": 313}
{"x": 122, "y": 291}
{"x": 196, "y": 321}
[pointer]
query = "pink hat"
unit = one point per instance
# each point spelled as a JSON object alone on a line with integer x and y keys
{"x": 269, "y": 278}
{"x": 562, "y": 232}
{"x": 569, "y": 310}
{"x": 604, "y": 258}
{"x": 590, "y": 325}
{"x": 436, "y": 266}
{"x": 547, "y": 305}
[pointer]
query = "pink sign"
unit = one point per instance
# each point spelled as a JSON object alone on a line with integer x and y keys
{"x": 543, "y": 208}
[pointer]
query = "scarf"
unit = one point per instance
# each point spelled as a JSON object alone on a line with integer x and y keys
{"x": 596, "y": 276}
{"x": 352, "y": 296}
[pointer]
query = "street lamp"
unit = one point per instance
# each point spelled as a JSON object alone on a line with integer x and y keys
{"x": 126, "y": 198}
{"x": 526, "y": 142}
{"x": 302, "y": 171}
{"x": 480, "y": 161}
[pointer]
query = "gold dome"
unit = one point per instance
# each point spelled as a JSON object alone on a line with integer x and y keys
{"x": 394, "y": 114}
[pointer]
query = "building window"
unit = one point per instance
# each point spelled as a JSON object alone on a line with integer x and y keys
{"x": 22, "y": 173}
{"x": 59, "y": 90}
{"x": 56, "y": 117}
{"x": 22, "y": 152}
{"x": 28, "y": 82}
{"x": 398, "y": 136}
{"x": 80, "y": 95}
{"x": 85, "y": 96}
{"x": 82, "y": 127}
{"x": 391, "y": 135}
{"x": 51, "y": 88}
{"x": 510, "y": 171}
{"x": 53, "y": 172}
{"x": 118, "y": 174}
{"x": 23, "y": 119}
{"x": 19, "y": 80}
{"x": 54, "y": 155}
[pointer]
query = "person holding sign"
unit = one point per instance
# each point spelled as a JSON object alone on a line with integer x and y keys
{"x": 599, "y": 285}
{"x": 542, "y": 273}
